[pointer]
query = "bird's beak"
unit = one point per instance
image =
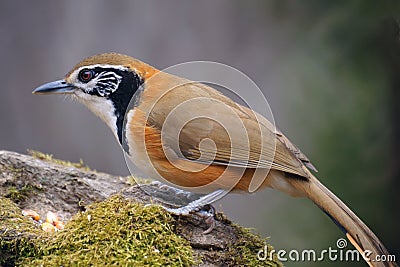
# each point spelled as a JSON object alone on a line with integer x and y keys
{"x": 56, "y": 87}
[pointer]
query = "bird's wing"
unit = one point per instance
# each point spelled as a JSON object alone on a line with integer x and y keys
{"x": 281, "y": 137}
{"x": 199, "y": 123}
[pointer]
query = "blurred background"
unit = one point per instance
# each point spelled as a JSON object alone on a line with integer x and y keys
{"x": 330, "y": 71}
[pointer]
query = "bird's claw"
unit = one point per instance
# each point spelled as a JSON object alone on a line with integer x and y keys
{"x": 206, "y": 213}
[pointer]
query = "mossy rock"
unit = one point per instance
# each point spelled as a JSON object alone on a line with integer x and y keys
{"x": 114, "y": 232}
{"x": 19, "y": 236}
{"x": 49, "y": 158}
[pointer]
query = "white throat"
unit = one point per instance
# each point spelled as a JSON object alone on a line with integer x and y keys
{"x": 102, "y": 107}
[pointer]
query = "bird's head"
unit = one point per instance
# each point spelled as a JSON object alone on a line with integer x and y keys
{"x": 105, "y": 83}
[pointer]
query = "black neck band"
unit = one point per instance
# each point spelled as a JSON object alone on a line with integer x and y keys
{"x": 130, "y": 83}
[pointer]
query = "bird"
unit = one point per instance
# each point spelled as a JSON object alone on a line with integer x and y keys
{"x": 135, "y": 100}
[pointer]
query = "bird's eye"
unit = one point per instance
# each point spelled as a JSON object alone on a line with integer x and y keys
{"x": 86, "y": 75}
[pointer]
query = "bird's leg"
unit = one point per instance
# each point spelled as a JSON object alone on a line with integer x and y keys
{"x": 199, "y": 206}
{"x": 205, "y": 212}
{"x": 202, "y": 208}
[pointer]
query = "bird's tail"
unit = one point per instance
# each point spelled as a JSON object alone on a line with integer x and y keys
{"x": 364, "y": 240}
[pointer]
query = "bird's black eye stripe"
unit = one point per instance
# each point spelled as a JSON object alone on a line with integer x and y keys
{"x": 86, "y": 75}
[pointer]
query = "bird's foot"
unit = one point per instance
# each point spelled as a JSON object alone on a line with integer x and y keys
{"x": 202, "y": 208}
{"x": 205, "y": 212}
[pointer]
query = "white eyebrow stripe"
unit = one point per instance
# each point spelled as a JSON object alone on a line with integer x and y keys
{"x": 105, "y": 66}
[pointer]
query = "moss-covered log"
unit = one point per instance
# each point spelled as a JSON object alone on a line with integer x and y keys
{"x": 106, "y": 222}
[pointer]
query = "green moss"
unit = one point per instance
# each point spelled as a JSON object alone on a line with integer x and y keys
{"x": 18, "y": 234}
{"x": 13, "y": 170}
{"x": 14, "y": 194}
{"x": 244, "y": 252}
{"x": 130, "y": 180}
{"x": 115, "y": 232}
{"x": 48, "y": 157}
{"x": 17, "y": 189}
{"x": 18, "y": 194}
